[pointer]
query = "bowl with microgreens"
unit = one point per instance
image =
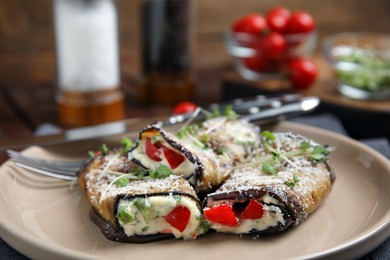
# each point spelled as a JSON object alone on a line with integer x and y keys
{"x": 274, "y": 45}
{"x": 361, "y": 63}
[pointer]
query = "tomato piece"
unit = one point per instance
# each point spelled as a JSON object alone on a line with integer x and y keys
{"x": 174, "y": 159}
{"x": 254, "y": 210}
{"x": 277, "y": 18}
{"x": 302, "y": 73}
{"x": 251, "y": 23}
{"x": 300, "y": 22}
{"x": 184, "y": 107}
{"x": 152, "y": 150}
{"x": 178, "y": 218}
{"x": 222, "y": 214}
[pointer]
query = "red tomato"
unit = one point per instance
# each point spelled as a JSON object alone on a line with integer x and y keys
{"x": 300, "y": 22}
{"x": 254, "y": 210}
{"x": 152, "y": 150}
{"x": 273, "y": 46}
{"x": 174, "y": 159}
{"x": 222, "y": 214}
{"x": 250, "y": 23}
{"x": 256, "y": 63}
{"x": 184, "y": 107}
{"x": 277, "y": 18}
{"x": 178, "y": 218}
{"x": 302, "y": 73}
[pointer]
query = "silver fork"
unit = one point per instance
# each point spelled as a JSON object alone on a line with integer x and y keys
{"x": 254, "y": 110}
{"x": 58, "y": 169}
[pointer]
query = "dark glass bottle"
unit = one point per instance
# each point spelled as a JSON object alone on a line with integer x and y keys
{"x": 167, "y": 51}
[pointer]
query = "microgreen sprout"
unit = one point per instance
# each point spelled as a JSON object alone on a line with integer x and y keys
{"x": 126, "y": 144}
{"x": 230, "y": 113}
{"x": 268, "y": 168}
{"x": 291, "y": 183}
{"x": 268, "y": 136}
{"x": 103, "y": 149}
{"x": 319, "y": 153}
{"x": 161, "y": 172}
{"x": 122, "y": 182}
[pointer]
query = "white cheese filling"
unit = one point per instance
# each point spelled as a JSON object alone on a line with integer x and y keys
{"x": 271, "y": 217}
{"x": 141, "y": 221}
{"x": 185, "y": 169}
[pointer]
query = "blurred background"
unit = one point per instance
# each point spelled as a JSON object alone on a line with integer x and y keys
{"x": 27, "y": 51}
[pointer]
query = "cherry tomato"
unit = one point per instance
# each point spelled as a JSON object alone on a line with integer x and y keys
{"x": 250, "y": 23}
{"x": 256, "y": 63}
{"x": 277, "y": 18}
{"x": 174, "y": 159}
{"x": 273, "y": 46}
{"x": 178, "y": 218}
{"x": 300, "y": 22}
{"x": 254, "y": 210}
{"x": 184, "y": 107}
{"x": 302, "y": 73}
{"x": 152, "y": 150}
{"x": 222, "y": 214}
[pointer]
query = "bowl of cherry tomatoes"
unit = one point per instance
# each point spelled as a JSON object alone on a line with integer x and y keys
{"x": 275, "y": 45}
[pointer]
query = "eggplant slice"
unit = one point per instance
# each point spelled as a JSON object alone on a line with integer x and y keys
{"x": 289, "y": 179}
{"x": 202, "y": 153}
{"x": 139, "y": 210}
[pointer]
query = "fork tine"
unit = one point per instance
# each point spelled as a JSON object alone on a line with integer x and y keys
{"x": 50, "y": 163}
{"x": 43, "y": 172}
{"x": 58, "y": 169}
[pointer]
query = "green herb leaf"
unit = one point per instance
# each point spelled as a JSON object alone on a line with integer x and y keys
{"x": 143, "y": 207}
{"x": 230, "y": 113}
{"x": 304, "y": 145}
{"x": 103, "y": 149}
{"x": 222, "y": 149}
{"x": 319, "y": 153}
{"x": 122, "y": 182}
{"x": 292, "y": 182}
{"x": 126, "y": 144}
{"x": 190, "y": 129}
{"x": 160, "y": 173}
{"x": 268, "y": 169}
{"x": 91, "y": 154}
{"x": 125, "y": 217}
{"x": 144, "y": 229}
{"x": 139, "y": 172}
{"x": 268, "y": 136}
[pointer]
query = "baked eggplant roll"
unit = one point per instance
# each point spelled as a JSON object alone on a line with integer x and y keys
{"x": 285, "y": 182}
{"x": 202, "y": 153}
{"x": 139, "y": 210}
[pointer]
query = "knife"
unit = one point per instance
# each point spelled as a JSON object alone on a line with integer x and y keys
{"x": 257, "y": 109}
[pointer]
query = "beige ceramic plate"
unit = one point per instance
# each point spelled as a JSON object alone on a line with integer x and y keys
{"x": 48, "y": 219}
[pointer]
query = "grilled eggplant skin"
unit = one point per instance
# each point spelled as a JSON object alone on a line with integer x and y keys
{"x": 113, "y": 234}
{"x": 98, "y": 177}
{"x": 312, "y": 183}
{"x": 211, "y": 150}
{"x": 154, "y": 130}
{"x": 116, "y": 232}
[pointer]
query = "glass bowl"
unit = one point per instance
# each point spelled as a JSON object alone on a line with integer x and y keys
{"x": 241, "y": 47}
{"x": 361, "y": 63}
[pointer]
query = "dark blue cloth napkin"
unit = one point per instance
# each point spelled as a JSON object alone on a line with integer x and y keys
{"x": 325, "y": 121}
